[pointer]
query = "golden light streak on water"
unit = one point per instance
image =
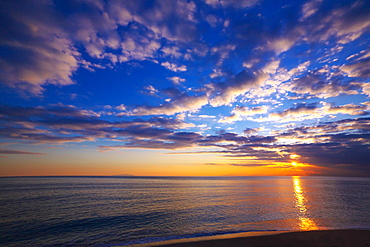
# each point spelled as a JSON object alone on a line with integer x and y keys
{"x": 305, "y": 222}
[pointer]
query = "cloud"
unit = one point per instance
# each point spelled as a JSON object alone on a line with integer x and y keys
{"x": 222, "y": 52}
{"x": 283, "y": 44}
{"x": 150, "y": 90}
{"x": 35, "y": 51}
{"x": 226, "y": 92}
{"x": 50, "y": 47}
{"x": 352, "y": 22}
{"x": 311, "y": 111}
{"x": 344, "y": 143}
{"x": 351, "y": 156}
{"x": 18, "y": 113}
{"x": 332, "y": 144}
{"x": 359, "y": 69}
{"x": 60, "y": 124}
{"x": 240, "y": 111}
{"x": 121, "y": 107}
{"x": 138, "y": 44}
{"x": 9, "y": 151}
{"x": 345, "y": 23}
{"x": 172, "y": 51}
{"x": 173, "y": 67}
{"x": 350, "y": 109}
{"x": 249, "y": 131}
{"x": 46, "y": 48}
{"x": 181, "y": 103}
{"x": 316, "y": 23}
{"x": 213, "y": 20}
{"x": 232, "y": 3}
{"x": 173, "y": 20}
{"x": 176, "y": 80}
{"x": 322, "y": 85}
{"x": 310, "y": 8}
{"x": 308, "y": 110}
{"x": 261, "y": 63}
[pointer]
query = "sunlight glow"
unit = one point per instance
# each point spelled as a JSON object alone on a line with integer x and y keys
{"x": 294, "y": 156}
{"x": 305, "y": 222}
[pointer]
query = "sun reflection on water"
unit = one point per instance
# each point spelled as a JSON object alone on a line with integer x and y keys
{"x": 305, "y": 222}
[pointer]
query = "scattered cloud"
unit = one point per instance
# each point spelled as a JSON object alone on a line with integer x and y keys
{"x": 173, "y": 67}
{"x": 176, "y": 80}
{"x": 358, "y": 69}
{"x": 226, "y": 92}
{"x": 239, "y": 112}
{"x": 181, "y": 103}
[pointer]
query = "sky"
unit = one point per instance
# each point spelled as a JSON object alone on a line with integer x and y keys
{"x": 185, "y": 88}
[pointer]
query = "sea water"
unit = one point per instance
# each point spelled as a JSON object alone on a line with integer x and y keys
{"x": 109, "y": 211}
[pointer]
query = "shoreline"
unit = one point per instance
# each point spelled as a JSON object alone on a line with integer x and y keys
{"x": 340, "y": 237}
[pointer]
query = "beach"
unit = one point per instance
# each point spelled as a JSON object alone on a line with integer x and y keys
{"x": 344, "y": 238}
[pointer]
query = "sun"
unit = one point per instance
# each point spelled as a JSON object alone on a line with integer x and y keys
{"x": 294, "y": 163}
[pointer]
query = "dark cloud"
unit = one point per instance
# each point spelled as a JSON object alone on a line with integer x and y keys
{"x": 172, "y": 92}
{"x": 358, "y": 69}
{"x": 18, "y": 112}
{"x": 58, "y": 124}
{"x": 249, "y": 131}
{"x": 353, "y": 156}
{"x": 297, "y": 110}
{"x": 323, "y": 85}
{"x": 34, "y": 48}
{"x": 226, "y": 92}
{"x": 9, "y": 151}
{"x": 341, "y": 143}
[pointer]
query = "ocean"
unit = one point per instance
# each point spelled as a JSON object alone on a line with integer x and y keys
{"x": 111, "y": 211}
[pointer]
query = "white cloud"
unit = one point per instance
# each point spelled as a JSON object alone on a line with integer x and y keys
{"x": 282, "y": 44}
{"x": 239, "y": 112}
{"x": 171, "y": 51}
{"x": 232, "y": 3}
{"x": 223, "y": 52}
{"x": 121, "y": 107}
{"x": 150, "y": 90}
{"x": 212, "y": 20}
{"x": 173, "y": 67}
{"x": 310, "y": 111}
{"x": 176, "y": 80}
{"x": 271, "y": 67}
{"x": 183, "y": 103}
{"x": 310, "y": 8}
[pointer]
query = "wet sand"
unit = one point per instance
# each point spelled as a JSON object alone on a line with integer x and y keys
{"x": 345, "y": 238}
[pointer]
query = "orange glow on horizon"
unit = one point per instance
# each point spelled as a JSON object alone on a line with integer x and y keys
{"x": 153, "y": 163}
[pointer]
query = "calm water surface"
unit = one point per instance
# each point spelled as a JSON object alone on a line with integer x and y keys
{"x": 108, "y": 211}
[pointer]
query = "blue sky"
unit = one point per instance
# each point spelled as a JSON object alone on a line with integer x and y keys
{"x": 209, "y": 85}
